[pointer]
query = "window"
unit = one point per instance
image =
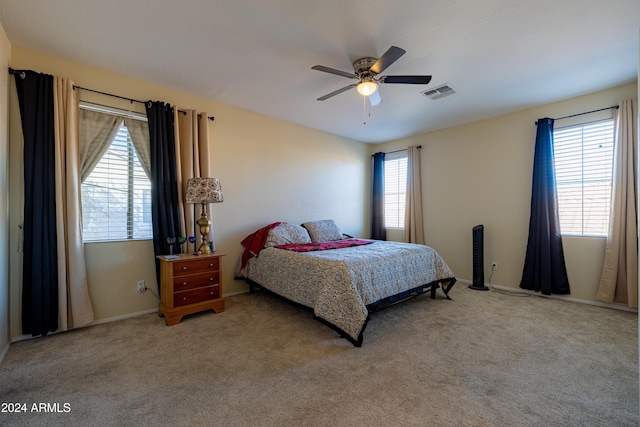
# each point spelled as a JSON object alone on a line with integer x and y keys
{"x": 395, "y": 188}
{"x": 584, "y": 166}
{"x": 116, "y": 196}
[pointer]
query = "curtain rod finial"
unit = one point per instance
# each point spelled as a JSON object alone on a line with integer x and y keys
{"x": 20, "y": 73}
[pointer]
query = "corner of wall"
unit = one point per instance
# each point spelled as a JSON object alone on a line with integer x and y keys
{"x": 5, "y": 57}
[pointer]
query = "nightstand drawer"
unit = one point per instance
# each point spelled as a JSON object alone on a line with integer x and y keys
{"x": 181, "y": 268}
{"x": 196, "y": 295}
{"x": 183, "y": 283}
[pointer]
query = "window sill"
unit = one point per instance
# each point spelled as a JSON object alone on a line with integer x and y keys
{"x": 90, "y": 242}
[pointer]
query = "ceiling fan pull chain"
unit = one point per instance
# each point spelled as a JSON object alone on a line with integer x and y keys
{"x": 364, "y": 109}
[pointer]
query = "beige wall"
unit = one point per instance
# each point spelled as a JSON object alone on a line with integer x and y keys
{"x": 5, "y": 55}
{"x": 480, "y": 173}
{"x": 270, "y": 171}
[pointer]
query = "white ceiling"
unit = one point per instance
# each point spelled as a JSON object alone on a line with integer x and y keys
{"x": 499, "y": 55}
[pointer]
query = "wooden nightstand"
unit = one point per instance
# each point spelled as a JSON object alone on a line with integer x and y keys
{"x": 190, "y": 284}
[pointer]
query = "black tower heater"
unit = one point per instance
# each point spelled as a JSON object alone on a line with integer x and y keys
{"x": 478, "y": 259}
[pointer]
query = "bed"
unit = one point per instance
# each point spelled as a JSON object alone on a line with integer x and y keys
{"x": 340, "y": 278}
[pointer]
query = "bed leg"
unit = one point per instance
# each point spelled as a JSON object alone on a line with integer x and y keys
{"x": 448, "y": 287}
{"x": 434, "y": 288}
{"x": 252, "y": 285}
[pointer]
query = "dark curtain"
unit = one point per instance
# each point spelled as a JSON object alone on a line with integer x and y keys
{"x": 165, "y": 214}
{"x": 40, "y": 259}
{"x": 378, "y": 231}
{"x": 544, "y": 268}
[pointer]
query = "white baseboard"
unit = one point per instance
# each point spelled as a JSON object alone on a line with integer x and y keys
{"x": 29, "y": 337}
{"x": 96, "y": 322}
{"x": 107, "y": 320}
{"x": 124, "y": 316}
{"x": 553, "y": 296}
{"x": 4, "y": 352}
{"x": 236, "y": 293}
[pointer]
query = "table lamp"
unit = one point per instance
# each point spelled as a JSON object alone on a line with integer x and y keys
{"x": 205, "y": 191}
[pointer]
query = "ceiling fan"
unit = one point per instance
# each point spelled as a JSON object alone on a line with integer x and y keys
{"x": 366, "y": 70}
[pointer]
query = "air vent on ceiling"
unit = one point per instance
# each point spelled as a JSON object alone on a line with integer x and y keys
{"x": 440, "y": 91}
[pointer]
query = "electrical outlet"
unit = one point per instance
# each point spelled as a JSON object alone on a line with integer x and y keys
{"x": 141, "y": 287}
{"x": 494, "y": 266}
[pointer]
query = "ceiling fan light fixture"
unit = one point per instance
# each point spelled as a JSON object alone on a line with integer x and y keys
{"x": 367, "y": 87}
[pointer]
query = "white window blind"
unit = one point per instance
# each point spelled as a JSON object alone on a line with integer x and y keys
{"x": 116, "y": 197}
{"x": 395, "y": 188}
{"x": 584, "y": 167}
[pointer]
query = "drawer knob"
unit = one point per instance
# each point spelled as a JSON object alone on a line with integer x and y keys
{"x": 211, "y": 279}
{"x": 211, "y": 265}
{"x": 184, "y": 283}
{"x": 184, "y": 298}
{"x": 184, "y": 268}
{"x": 210, "y": 293}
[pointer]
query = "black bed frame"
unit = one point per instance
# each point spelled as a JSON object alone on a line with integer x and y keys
{"x": 445, "y": 284}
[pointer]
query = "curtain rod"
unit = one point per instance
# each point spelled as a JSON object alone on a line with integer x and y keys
{"x": 23, "y": 75}
{"x": 404, "y": 149}
{"x": 109, "y": 94}
{"x": 20, "y": 72}
{"x": 127, "y": 99}
{"x": 587, "y": 112}
{"x": 397, "y": 151}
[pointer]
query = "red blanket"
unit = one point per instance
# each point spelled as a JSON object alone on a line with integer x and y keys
{"x": 323, "y": 246}
{"x": 254, "y": 243}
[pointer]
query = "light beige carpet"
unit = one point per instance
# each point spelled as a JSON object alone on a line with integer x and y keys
{"x": 483, "y": 359}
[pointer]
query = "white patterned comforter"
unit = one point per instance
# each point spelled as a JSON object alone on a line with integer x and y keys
{"x": 338, "y": 284}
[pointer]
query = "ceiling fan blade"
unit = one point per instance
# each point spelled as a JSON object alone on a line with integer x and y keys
{"x": 334, "y": 71}
{"x": 336, "y": 92}
{"x": 412, "y": 80}
{"x": 389, "y": 57}
{"x": 375, "y": 98}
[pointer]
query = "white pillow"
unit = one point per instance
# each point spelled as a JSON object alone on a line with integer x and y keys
{"x": 287, "y": 233}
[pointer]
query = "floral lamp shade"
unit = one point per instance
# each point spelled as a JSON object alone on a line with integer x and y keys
{"x": 204, "y": 190}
